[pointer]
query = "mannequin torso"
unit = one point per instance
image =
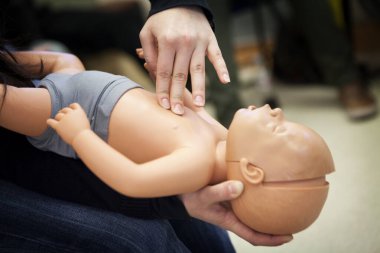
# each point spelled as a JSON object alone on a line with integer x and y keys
{"x": 162, "y": 131}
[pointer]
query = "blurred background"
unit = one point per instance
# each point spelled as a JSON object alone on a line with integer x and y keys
{"x": 267, "y": 44}
{"x": 301, "y": 83}
{"x": 317, "y": 60}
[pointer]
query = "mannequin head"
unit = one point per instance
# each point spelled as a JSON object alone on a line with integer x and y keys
{"x": 282, "y": 165}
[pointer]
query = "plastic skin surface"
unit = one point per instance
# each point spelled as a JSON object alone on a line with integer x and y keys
{"x": 283, "y": 169}
{"x": 152, "y": 152}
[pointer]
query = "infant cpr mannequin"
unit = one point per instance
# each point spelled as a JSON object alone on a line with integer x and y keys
{"x": 283, "y": 170}
{"x": 141, "y": 150}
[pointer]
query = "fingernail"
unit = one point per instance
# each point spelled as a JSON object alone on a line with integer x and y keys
{"x": 226, "y": 78}
{"x": 199, "y": 100}
{"x": 165, "y": 103}
{"x": 178, "y": 109}
{"x": 236, "y": 188}
{"x": 288, "y": 238}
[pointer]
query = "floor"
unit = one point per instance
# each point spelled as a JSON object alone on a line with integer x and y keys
{"x": 350, "y": 220}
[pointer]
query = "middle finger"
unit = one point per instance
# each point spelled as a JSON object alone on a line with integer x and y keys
{"x": 178, "y": 82}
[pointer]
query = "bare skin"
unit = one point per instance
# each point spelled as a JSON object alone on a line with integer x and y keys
{"x": 175, "y": 42}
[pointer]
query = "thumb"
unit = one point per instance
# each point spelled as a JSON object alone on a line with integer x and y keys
{"x": 224, "y": 191}
{"x": 52, "y": 123}
{"x": 235, "y": 189}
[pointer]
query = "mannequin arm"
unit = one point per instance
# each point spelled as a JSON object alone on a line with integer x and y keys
{"x": 169, "y": 175}
{"x": 53, "y": 62}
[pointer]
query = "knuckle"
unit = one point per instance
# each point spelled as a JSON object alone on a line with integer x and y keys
{"x": 187, "y": 39}
{"x": 150, "y": 64}
{"x": 164, "y": 75}
{"x": 143, "y": 34}
{"x": 198, "y": 68}
{"x": 169, "y": 39}
{"x": 218, "y": 53}
{"x": 180, "y": 77}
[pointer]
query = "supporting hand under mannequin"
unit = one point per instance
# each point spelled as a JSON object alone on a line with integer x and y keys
{"x": 176, "y": 41}
{"x": 211, "y": 204}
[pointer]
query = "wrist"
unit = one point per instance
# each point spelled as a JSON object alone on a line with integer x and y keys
{"x": 81, "y": 137}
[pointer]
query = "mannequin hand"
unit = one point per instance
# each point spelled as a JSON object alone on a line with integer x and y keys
{"x": 175, "y": 41}
{"x": 210, "y": 204}
{"x": 69, "y": 122}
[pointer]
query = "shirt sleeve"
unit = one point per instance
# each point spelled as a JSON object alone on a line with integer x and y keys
{"x": 160, "y": 5}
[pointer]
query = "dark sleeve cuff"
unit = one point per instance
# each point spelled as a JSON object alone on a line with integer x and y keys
{"x": 160, "y": 5}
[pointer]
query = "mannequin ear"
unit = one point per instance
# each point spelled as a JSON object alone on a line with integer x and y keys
{"x": 250, "y": 172}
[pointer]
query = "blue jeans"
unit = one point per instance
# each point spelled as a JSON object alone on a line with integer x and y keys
{"x": 31, "y": 222}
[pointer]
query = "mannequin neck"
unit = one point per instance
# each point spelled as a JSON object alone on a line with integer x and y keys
{"x": 220, "y": 169}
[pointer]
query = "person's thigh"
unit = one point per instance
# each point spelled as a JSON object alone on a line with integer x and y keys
{"x": 31, "y": 222}
{"x": 199, "y": 236}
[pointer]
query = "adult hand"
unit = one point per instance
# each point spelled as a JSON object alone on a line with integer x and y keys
{"x": 175, "y": 41}
{"x": 211, "y": 204}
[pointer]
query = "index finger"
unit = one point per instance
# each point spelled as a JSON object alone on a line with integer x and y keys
{"x": 149, "y": 50}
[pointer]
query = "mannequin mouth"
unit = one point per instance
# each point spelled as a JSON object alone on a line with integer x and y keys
{"x": 252, "y": 107}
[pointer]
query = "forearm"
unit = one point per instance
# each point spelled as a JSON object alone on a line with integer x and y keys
{"x": 52, "y": 62}
{"x": 164, "y": 176}
{"x": 113, "y": 168}
{"x": 2, "y": 95}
